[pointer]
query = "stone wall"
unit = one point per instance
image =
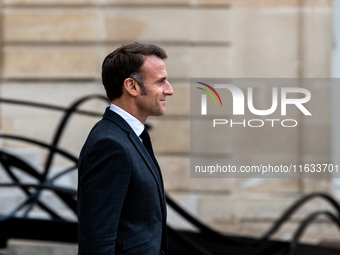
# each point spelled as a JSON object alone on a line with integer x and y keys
{"x": 52, "y": 52}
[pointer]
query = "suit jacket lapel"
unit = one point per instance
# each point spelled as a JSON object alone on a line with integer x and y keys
{"x": 139, "y": 145}
{"x": 152, "y": 167}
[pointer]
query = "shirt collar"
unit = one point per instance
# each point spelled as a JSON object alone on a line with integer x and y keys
{"x": 133, "y": 122}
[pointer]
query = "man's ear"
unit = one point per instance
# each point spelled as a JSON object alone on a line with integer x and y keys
{"x": 130, "y": 85}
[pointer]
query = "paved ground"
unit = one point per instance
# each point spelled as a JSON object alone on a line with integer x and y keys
{"x": 21, "y": 247}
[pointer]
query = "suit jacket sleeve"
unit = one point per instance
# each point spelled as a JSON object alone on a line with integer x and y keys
{"x": 104, "y": 175}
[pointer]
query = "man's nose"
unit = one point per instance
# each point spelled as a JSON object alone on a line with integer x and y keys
{"x": 169, "y": 90}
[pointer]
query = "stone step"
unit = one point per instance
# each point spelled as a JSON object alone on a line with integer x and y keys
{"x": 24, "y": 247}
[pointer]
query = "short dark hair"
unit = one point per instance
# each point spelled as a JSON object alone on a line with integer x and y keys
{"x": 126, "y": 62}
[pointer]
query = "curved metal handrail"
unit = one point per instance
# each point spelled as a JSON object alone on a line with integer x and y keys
{"x": 9, "y": 161}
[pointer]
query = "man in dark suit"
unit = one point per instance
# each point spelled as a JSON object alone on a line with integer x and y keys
{"x": 121, "y": 201}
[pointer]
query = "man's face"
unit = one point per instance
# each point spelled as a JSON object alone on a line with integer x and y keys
{"x": 157, "y": 87}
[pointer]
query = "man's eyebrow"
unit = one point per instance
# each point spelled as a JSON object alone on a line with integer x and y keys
{"x": 161, "y": 79}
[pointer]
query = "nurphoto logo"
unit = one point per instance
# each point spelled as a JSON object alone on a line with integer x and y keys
{"x": 262, "y": 128}
{"x": 281, "y": 97}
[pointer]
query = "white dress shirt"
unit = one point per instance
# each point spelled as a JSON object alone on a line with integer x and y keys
{"x": 133, "y": 122}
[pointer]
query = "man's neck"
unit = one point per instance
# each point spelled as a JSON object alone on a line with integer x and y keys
{"x": 129, "y": 107}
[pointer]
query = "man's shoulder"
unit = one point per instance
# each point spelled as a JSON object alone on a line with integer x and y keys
{"x": 106, "y": 127}
{"x": 104, "y": 133}
{"x": 112, "y": 128}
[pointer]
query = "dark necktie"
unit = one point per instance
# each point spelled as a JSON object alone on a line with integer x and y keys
{"x": 147, "y": 144}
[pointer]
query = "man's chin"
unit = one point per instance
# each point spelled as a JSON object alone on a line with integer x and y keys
{"x": 160, "y": 113}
